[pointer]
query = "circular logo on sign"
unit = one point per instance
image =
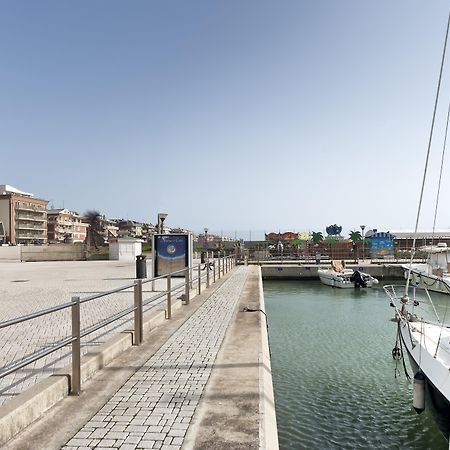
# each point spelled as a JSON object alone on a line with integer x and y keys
{"x": 171, "y": 249}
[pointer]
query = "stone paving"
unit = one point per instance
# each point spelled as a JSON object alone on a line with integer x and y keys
{"x": 30, "y": 287}
{"x": 154, "y": 408}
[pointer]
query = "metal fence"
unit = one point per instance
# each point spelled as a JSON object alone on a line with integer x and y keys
{"x": 193, "y": 276}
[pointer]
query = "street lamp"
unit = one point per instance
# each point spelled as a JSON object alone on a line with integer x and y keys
{"x": 205, "y": 245}
{"x": 161, "y": 219}
{"x": 362, "y": 233}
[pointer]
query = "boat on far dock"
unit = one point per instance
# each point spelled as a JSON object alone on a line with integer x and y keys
{"x": 340, "y": 277}
{"x": 435, "y": 274}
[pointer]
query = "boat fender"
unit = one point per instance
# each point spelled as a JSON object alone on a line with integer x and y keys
{"x": 419, "y": 392}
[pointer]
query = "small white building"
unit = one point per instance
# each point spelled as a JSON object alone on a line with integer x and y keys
{"x": 125, "y": 249}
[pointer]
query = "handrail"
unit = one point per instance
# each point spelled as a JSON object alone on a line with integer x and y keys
{"x": 104, "y": 294}
{"x": 227, "y": 263}
{"x": 35, "y": 356}
{"x": 43, "y": 312}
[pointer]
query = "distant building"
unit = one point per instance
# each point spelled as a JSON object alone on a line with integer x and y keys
{"x": 403, "y": 239}
{"x": 130, "y": 228}
{"x": 65, "y": 226}
{"x": 213, "y": 241}
{"x": 108, "y": 228}
{"x": 286, "y": 236}
{"x": 24, "y": 217}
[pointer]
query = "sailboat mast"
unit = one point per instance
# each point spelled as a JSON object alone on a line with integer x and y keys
{"x": 413, "y": 250}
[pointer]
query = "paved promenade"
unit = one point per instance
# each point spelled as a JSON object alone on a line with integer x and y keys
{"x": 29, "y": 287}
{"x": 154, "y": 408}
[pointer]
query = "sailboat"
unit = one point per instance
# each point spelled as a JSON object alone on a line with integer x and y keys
{"x": 426, "y": 340}
{"x": 435, "y": 274}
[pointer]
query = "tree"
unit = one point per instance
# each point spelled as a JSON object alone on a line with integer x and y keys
{"x": 317, "y": 236}
{"x": 355, "y": 236}
{"x": 93, "y": 218}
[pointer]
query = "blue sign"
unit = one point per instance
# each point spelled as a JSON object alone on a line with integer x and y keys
{"x": 381, "y": 244}
{"x": 171, "y": 253}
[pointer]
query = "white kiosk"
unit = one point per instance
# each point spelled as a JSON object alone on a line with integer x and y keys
{"x": 125, "y": 249}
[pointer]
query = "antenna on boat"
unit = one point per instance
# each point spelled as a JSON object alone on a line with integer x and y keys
{"x": 413, "y": 250}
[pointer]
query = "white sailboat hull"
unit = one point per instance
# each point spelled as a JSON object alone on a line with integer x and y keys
{"x": 424, "y": 280}
{"x": 422, "y": 346}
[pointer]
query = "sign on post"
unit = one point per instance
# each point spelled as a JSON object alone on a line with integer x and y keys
{"x": 171, "y": 253}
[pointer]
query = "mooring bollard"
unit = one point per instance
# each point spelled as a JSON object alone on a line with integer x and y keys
{"x": 138, "y": 322}
{"x": 169, "y": 297}
{"x": 75, "y": 382}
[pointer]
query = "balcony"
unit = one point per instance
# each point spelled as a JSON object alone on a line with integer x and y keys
{"x": 27, "y": 226}
{"x": 27, "y": 207}
{"x": 35, "y": 235}
{"x": 32, "y": 217}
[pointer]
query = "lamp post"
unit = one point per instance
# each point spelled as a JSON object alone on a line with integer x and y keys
{"x": 161, "y": 219}
{"x": 363, "y": 227}
{"x": 205, "y": 244}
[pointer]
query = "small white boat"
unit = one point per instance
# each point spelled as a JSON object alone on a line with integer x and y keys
{"x": 340, "y": 277}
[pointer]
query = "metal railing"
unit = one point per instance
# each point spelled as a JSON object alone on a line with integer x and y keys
{"x": 224, "y": 264}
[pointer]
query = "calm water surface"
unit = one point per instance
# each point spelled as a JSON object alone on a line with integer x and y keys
{"x": 333, "y": 374}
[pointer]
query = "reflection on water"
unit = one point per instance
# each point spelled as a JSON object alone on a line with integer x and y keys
{"x": 333, "y": 373}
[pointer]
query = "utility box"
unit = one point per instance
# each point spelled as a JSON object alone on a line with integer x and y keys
{"x": 171, "y": 252}
{"x": 125, "y": 249}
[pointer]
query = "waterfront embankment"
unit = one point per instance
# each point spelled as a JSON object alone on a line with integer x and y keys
{"x": 294, "y": 270}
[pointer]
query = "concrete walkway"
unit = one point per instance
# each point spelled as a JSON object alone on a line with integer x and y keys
{"x": 200, "y": 381}
{"x": 154, "y": 408}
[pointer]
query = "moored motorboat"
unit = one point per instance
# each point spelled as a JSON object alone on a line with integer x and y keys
{"x": 340, "y": 277}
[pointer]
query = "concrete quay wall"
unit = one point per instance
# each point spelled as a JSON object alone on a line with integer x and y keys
{"x": 309, "y": 272}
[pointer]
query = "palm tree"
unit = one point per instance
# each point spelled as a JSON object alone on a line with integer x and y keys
{"x": 355, "y": 236}
{"x": 317, "y": 236}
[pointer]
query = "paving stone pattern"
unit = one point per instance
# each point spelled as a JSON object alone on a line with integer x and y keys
{"x": 29, "y": 287}
{"x": 154, "y": 408}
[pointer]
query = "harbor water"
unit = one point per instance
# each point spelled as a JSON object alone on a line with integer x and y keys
{"x": 333, "y": 373}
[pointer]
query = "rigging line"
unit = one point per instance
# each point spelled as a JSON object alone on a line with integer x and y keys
{"x": 413, "y": 250}
{"x": 440, "y": 173}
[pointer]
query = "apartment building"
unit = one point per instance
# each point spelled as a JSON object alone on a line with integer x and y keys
{"x": 65, "y": 226}
{"x": 129, "y": 228}
{"x": 24, "y": 217}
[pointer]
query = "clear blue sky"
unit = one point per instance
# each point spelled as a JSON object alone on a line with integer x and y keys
{"x": 235, "y": 115}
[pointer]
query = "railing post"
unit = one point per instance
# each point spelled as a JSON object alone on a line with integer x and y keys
{"x": 138, "y": 320}
{"x": 187, "y": 285}
{"x": 199, "y": 280}
{"x": 169, "y": 297}
{"x": 207, "y": 270}
{"x": 214, "y": 271}
{"x": 75, "y": 385}
{"x": 218, "y": 269}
